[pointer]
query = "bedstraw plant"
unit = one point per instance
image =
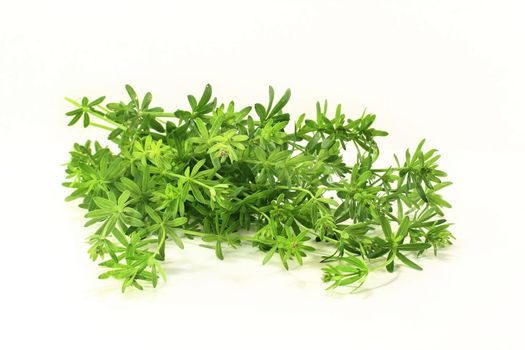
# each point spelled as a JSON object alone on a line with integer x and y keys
{"x": 233, "y": 177}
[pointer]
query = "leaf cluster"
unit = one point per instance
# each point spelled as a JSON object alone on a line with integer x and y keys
{"x": 232, "y": 177}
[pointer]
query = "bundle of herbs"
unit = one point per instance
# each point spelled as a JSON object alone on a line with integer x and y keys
{"x": 232, "y": 177}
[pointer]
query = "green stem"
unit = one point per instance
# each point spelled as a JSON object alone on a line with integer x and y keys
{"x": 385, "y": 169}
{"x": 159, "y": 114}
{"x": 162, "y": 241}
{"x": 101, "y": 126}
{"x": 340, "y": 189}
{"x": 251, "y": 161}
{"x": 392, "y": 217}
{"x": 380, "y": 266}
{"x": 103, "y": 108}
{"x": 192, "y": 233}
{"x": 202, "y": 234}
{"x": 296, "y": 189}
{"x": 248, "y": 238}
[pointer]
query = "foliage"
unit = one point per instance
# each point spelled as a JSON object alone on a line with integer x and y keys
{"x": 233, "y": 177}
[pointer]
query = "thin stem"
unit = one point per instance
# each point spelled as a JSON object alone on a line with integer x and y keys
{"x": 385, "y": 169}
{"x": 392, "y": 217}
{"x": 159, "y": 114}
{"x": 162, "y": 241}
{"x": 192, "y": 233}
{"x": 103, "y": 108}
{"x": 296, "y": 189}
{"x": 341, "y": 189}
{"x": 380, "y": 266}
{"x": 101, "y": 126}
{"x": 202, "y": 234}
{"x": 248, "y": 238}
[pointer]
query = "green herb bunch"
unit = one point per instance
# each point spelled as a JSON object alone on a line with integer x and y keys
{"x": 233, "y": 177}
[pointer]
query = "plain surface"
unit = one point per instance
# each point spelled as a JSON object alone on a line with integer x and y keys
{"x": 448, "y": 71}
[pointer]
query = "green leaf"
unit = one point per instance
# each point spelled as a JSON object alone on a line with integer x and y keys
{"x": 175, "y": 238}
{"x": 104, "y": 203}
{"x": 202, "y": 128}
{"x": 205, "y": 98}
{"x": 75, "y": 119}
{"x": 193, "y": 102}
{"x": 120, "y": 237}
{"x": 86, "y": 120}
{"x": 178, "y": 221}
{"x": 132, "y": 94}
{"x": 269, "y": 254}
{"x": 218, "y": 250}
{"x": 408, "y": 262}
{"x": 282, "y": 102}
{"x": 146, "y": 101}
{"x": 271, "y": 94}
{"x": 261, "y": 112}
{"x": 403, "y": 229}
{"x": 240, "y": 138}
{"x": 387, "y": 230}
{"x": 97, "y": 101}
{"x": 153, "y": 214}
{"x": 123, "y": 198}
{"x": 350, "y": 280}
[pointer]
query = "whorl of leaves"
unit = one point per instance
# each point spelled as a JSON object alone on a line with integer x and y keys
{"x": 256, "y": 177}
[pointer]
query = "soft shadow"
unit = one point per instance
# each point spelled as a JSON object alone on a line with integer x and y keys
{"x": 365, "y": 290}
{"x": 300, "y": 275}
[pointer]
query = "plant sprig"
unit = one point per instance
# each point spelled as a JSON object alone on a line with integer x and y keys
{"x": 231, "y": 177}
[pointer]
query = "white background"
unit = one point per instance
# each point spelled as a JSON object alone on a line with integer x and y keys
{"x": 448, "y": 71}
